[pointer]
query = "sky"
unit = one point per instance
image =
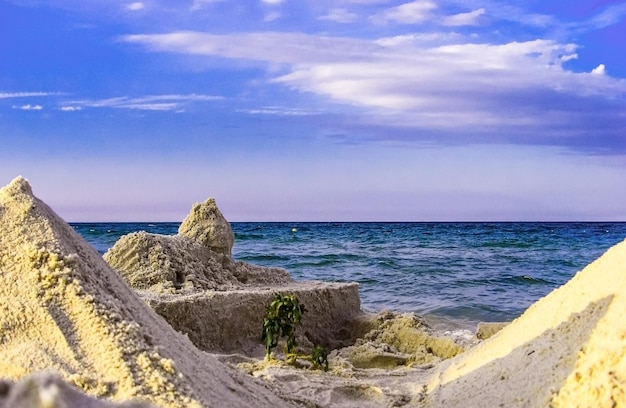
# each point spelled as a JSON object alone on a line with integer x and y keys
{"x": 317, "y": 110}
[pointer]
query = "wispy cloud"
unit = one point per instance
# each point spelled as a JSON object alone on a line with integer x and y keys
{"x": 272, "y": 10}
{"x": 340, "y": 15}
{"x": 7, "y": 95}
{"x": 414, "y": 12}
{"x": 200, "y": 4}
{"x": 71, "y": 108}
{"x": 272, "y": 16}
{"x": 295, "y": 48}
{"x": 281, "y": 111}
{"x": 471, "y": 18}
{"x": 609, "y": 16}
{"x": 149, "y": 103}
{"x": 508, "y": 12}
{"x": 28, "y": 107}
{"x": 136, "y": 6}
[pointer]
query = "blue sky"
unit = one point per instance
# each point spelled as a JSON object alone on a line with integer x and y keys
{"x": 354, "y": 110}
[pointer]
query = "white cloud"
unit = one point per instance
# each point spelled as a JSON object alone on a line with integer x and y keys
{"x": 151, "y": 102}
{"x": 272, "y": 16}
{"x": 200, "y": 4}
{"x": 599, "y": 70}
{"x": 414, "y": 12}
{"x": 28, "y": 107}
{"x": 272, "y": 2}
{"x": 281, "y": 111}
{"x": 136, "y": 6}
{"x": 609, "y": 16}
{"x": 340, "y": 15}
{"x": 6, "y": 95}
{"x": 417, "y": 81}
{"x": 464, "y": 19}
{"x": 508, "y": 12}
{"x": 70, "y": 108}
{"x": 295, "y": 48}
{"x": 421, "y": 39}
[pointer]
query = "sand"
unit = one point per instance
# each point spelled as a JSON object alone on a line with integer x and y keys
{"x": 163, "y": 264}
{"x": 64, "y": 310}
{"x": 49, "y": 390}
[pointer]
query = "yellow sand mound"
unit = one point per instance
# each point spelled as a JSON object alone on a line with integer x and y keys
{"x": 566, "y": 350}
{"x": 63, "y": 308}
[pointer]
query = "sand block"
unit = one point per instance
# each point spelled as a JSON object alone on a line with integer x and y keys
{"x": 567, "y": 350}
{"x": 231, "y": 321}
{"x": 62, "y": 308}
{"x": 218, "y": 302}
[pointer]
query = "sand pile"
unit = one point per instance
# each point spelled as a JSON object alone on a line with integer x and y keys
{"x": 567, "y": 350}
{"x": 180, "y": 265}
{"x": 389, "y": 340}
{"x": 63, "y": 308}
{"x": 197, "y": 259}
{"x": 387, "y": 367}
{"x": 192, "y": 281}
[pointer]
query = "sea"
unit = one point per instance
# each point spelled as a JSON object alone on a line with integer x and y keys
{"x": 453, "y": 273}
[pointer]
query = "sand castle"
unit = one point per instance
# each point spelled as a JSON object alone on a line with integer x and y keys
{"x": 192, "y": 281}
{"x": 64, "y": 309}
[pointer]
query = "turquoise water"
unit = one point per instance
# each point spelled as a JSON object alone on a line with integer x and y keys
{"x": 464, "y": 272}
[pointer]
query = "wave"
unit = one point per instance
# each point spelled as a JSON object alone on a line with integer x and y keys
{"x": 529, "y": 280}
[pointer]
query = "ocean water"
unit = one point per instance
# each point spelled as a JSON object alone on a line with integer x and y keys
{"x": 460, "y": 273}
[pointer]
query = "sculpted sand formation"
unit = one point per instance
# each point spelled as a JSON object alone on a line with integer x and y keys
{"x": 192, "y": 281}
{"x": 67, "y": 313}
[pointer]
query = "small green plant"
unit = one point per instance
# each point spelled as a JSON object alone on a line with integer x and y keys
{"x": 282, "y": 316}
{"x": 319, "y": 358}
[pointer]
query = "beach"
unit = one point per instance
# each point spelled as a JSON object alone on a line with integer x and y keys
{"x": 173, "y": 320}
